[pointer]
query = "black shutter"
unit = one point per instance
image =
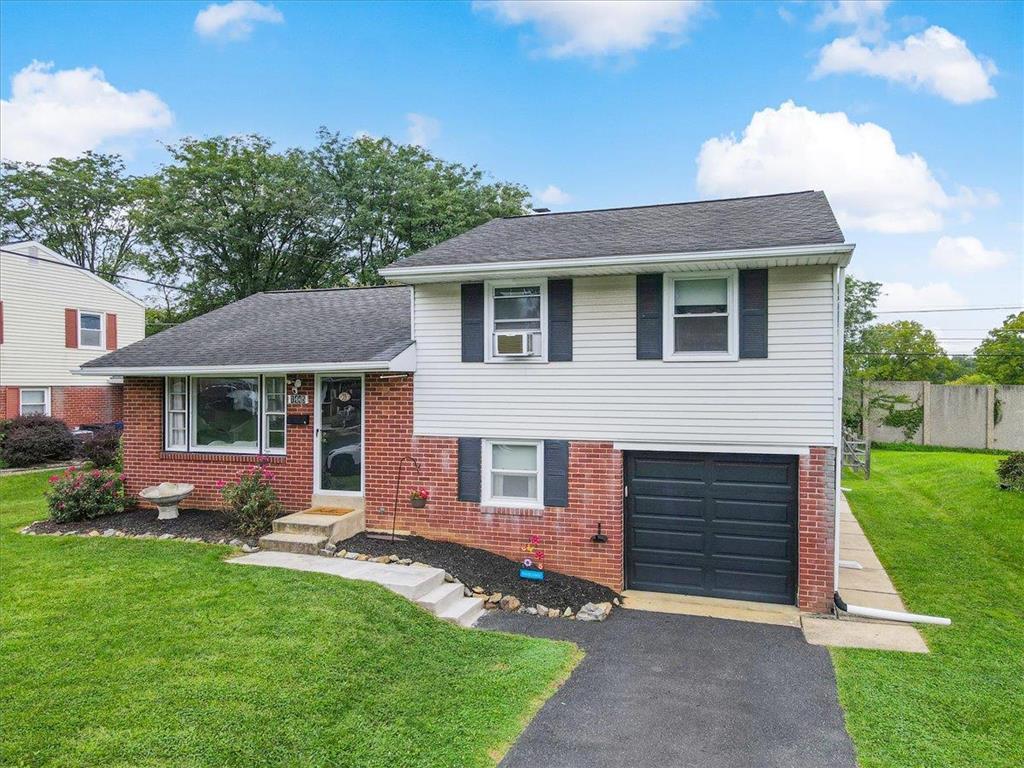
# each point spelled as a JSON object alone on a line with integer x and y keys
{"x": 472, "y": 322}
{"x": 753, "y": 313}
{"x": 469, "y": 468}
{"x": 556, "y": 473}
{"x": 559, "y": 320}
{"x": 648, "y": 317}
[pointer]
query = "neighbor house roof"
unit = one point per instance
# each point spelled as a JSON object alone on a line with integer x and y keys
{"x": 739, "y": 224}
{"x": 279, "y": 330}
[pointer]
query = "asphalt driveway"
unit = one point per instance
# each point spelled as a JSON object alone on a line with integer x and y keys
{"x": 664, "y": 690}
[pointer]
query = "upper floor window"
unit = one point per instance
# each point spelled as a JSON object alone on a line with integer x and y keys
{"x": 700, "y": 316}
{"x": 90, "y": 330}
{"x": 517, "y": 313}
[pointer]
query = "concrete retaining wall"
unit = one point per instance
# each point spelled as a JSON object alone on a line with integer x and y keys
{"x": 975, "y": 416}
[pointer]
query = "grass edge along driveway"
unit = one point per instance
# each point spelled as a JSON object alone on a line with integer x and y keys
{"x": 953, "y": 544}
{"x": 120, "y": 652}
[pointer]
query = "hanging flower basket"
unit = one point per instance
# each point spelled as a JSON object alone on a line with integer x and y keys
{"x": 418, "y": 498}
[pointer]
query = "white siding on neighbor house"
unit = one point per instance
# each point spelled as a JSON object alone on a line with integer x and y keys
{"x": 605, "y": 393}
{"x": 35, "y": 295}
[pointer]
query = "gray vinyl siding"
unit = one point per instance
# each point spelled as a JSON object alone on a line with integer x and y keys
{"x": 605, "y": 393}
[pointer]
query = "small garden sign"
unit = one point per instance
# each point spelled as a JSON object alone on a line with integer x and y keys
{"x": 533, "y": 563}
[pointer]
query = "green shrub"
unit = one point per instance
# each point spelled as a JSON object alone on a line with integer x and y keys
{"x": 85, "y": 495}
{"x": 103, "y": 449}
{"x": 1011, "y": 471}
{"x": 250, "y": 501}
{"x": 30, "y": 440}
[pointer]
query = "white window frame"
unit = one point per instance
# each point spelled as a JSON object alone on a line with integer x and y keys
{"x": 168, "y": 445}
{"x": 668, "y": 316}
{"x": 487, "y": 497}
{"x": 489, "y": 286}
{"x": 103, "y": 329}
{"x": 265, "y": 412}
{"x": 46, "y": 400}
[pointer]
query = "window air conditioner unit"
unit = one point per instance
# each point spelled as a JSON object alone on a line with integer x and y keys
{"x": 519, "y": 344}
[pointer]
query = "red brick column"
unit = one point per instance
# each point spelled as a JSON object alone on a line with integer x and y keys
{"x": 595, "y": 494}
{"x": 816, "y": 530}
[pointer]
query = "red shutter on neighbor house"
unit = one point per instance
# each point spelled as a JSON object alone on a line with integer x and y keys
{"x": 71, "y": 328}
{"x": 111, "y": 331}
{"x": 13, "y": 402}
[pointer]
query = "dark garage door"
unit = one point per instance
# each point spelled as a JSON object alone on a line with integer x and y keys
{"x": 719, "y": 525}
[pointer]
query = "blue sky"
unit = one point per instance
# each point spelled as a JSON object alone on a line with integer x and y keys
{"x": 909, "y": 115}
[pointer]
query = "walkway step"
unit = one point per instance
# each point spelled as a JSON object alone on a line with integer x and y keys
{"x": 464, "y": 611}
{"x": 296, "y": 543}
{"x": 439, "y": 598}
{"x": 333, "y": 523}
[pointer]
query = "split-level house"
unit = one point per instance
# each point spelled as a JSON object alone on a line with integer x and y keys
{"x": 655, "y": 392}
{"x": 56, "y": 316}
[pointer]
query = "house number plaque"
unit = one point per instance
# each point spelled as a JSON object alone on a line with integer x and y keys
{"x": 298, "y": 399}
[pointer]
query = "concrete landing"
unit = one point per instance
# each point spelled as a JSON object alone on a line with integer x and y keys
{"x": 868, "y": 586}
{"x": 712, "y": 607}
{"x": 425, "y": 586}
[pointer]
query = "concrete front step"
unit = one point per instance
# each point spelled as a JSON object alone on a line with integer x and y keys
{"x": 424, "y": 586}
{"x": 333, "y": 523}
{"x": 296, "y": 543}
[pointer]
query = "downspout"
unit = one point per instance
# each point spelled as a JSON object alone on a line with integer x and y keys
{"x": 838, "y": 368}
{"x": 880, "y": 613}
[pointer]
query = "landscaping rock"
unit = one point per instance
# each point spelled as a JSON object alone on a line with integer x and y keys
{"x": 382, "y": 559}
{"x": 352, "y": 556}
{"x": 494, "y": 597}
{"x": 554, "y": 613}
{"x": 467, "y": 592}
{"x": 109, "y": 532}
{"x": 449, "y": 578}
{"x": 392, "y": 558}
{"x": 94, "y": 533}
{"x": 405, "y": 561}
{"x": 532, "y": 611}
{"x": 567, "y": 613}
{"x": 325, "y": 552}
{"x": 341, "y": 553}
{"x": 542, "y": 610}
{"x": 331, "y": 547}
{"x": 362, "y": 558}
{"x": 594, "y": 612}
{"x": 418, "y": 564}
{"x": 166, "y": 536}
{"x": 478, "y": 590}
{"x": 233, "y": 542}
{"x": 510, "y": 603}
{"x": 249, "y": 549}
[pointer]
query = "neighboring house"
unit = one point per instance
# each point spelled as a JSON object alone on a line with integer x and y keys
{"x": 55, "y": 316}
{"x": 653, "y": 391}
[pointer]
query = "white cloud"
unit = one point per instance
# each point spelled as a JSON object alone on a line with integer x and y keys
{"x": 870, "y": 184}
{"x": 64, "y": 113}
{"x": 422, "y": 130}
{"x": 966, "y": 254}
{"x": 898, "y": 297}
{"x": 867, "y": 17}
{"x": 234, "y": 20}
{"x": 552, "y": 195}
{"x": 595, "y": 28}
{"x": 935, "y": 60}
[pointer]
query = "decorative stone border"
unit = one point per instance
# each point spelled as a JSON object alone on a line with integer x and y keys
{"x": 492, "y": 600}
{"x": 114, "y": 533}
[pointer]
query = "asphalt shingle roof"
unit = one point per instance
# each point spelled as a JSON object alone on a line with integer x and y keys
{"x": 344, "y": 325}
{"x": 798, "y": 218}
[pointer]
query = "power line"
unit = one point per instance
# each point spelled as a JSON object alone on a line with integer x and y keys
{"x": 944, "y": 309}
{"x": 85, "y": 269}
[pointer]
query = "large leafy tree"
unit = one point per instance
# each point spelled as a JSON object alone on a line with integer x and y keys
{"x": 230, "y": 217}
{"x": 1001, "y": 355}
{"x": 861, "y": 298}
{"x": 86, "y": 209}
{"x": 904, "y": 351}
{"x": 394, "y": 200}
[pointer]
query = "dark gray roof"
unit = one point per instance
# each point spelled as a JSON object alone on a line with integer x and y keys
{"x": 344, "y": 325}
{"x": 798, "y": 218}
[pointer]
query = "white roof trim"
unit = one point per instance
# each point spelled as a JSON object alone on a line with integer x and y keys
{"x": 785, "y": 450}
{"x": 172, "y": 370}
{"x": 10, "y": 248}
{"x": 840, "y": 251}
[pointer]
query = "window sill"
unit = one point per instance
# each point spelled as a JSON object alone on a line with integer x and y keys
{"x": 701, "y": 357}
{"x": 511, "y": 510}
{"x": 224, "y": 458}
{"x": 514, "y": 360}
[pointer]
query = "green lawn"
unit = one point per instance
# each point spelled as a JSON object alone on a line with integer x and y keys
{"x": 953, "y": 543}
{"x": 120, "y": 652}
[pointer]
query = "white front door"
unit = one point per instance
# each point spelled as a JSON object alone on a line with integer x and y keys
{"x": 338, "y": 434}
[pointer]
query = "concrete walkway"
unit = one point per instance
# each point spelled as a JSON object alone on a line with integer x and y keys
{"x": 656, "y": 689}
{"x": 869, "y": 586}
{"x": 423, "y": 585}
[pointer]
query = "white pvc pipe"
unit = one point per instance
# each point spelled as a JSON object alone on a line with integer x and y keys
{"x": 880, "y": 613}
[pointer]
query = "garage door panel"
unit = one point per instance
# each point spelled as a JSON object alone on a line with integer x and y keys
{"x": 721, "y": 525}
{"x": 750, "y": 511}
{"x": 780, "y": 549}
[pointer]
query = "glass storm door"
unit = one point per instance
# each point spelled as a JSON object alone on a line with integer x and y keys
{"x": 340, "y": 433}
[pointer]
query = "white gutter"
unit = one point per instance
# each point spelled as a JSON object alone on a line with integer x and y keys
{"x": 842, "y": 250}
{"x": 172, "y": 370}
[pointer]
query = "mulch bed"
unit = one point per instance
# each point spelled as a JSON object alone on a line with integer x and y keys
{"x": 209, "y": 526}
{"x": 478, "y": 567}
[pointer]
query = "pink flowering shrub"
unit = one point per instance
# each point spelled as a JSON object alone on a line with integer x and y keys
{"x": 250, "y": 502}
{"x": 85, "y": 495}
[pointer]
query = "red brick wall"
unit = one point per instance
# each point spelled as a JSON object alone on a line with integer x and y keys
{"x": 595, "y": 494}
{"x": 79, "y": 405}
{"x": 146, "y": 463}
{"x": 816, "y": 530}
